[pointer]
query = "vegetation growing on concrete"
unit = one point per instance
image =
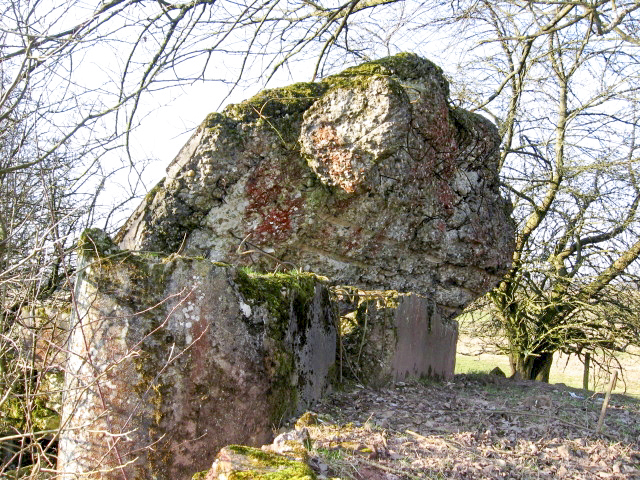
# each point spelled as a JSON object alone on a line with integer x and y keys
{"x": 366, "y": 320}
{"x": 94, "y": 244}
{"x": 281, "y": 109}
{"x": 281, "y": 293}
{"x": 405, "y": 66}
{"x": 286, "y": 296}
{"x": 270, "y": 466}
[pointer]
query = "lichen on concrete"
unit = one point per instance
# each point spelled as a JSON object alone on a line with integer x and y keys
{"x": 189, "y": 350}
{"x": 368, "y": 176}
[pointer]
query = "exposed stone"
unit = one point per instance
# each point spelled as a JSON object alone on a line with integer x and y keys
{"x": 293, "y": 443}
{"x": 369, "y": 177}
{"x": 173, "y": 358}
{"x": 390, "y": 337}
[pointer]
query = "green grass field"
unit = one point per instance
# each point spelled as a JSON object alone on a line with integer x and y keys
{"x": 565, "y": 370}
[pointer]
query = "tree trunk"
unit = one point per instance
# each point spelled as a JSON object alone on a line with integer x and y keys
{"x": 585, "y": 374}
{"x": 532, "y": 367}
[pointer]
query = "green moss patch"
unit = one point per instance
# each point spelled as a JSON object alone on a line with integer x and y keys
{"x": 279, "y": 109}
{"x": 95, "y": 244}
{"x": 148, "y": 198}
{"x": 285, "y": 296}
{"x": 406, "y": 67}
{"x": 270, "y": 466}
{"x": 281, "y": 293}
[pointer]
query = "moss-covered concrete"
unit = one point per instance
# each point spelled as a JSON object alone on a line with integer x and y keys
{"x": 268, "y": 466}
{"x": 281, "y": 109}
{"x": 387, "y": 336}
{"x": 190, "y": 349}
{"x": 286, "y": 296}
{"x": 94, "y": 244}
{"x": 282, "y": 293}
{"x": 151, "y": 194}
{"x": 278, "y": 110}
{"x": 368, "y": 334}
{"x": 405, "y": 66}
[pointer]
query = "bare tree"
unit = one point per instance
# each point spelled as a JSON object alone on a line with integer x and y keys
{"x": 561, "y": 81}
{"x": 73, "y": 81}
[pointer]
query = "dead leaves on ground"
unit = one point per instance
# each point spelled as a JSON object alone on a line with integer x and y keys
{"x": 470, "y": 429}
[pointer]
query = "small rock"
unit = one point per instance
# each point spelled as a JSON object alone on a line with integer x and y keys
{"x": 306, "y": 420}
{"x": 318, "y": 465}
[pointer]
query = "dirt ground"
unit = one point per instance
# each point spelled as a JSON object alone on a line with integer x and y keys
{"x": 478, "y": 426}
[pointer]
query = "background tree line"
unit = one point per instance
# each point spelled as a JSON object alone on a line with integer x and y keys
{"x": 559, "y": 78}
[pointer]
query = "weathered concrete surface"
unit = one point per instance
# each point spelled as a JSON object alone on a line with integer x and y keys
{"x": 369, "y": 177}
{"x": 173, "y": 358}
{"x": 389, "y": 337}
